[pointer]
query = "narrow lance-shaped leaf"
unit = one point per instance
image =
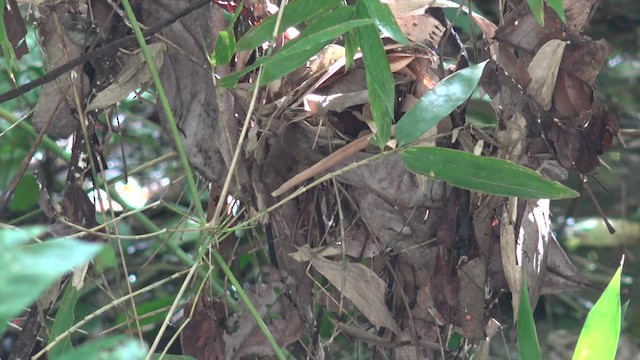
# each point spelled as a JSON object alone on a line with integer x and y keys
{"x": 483, "y": 174}
{"x": 350, "y": 48}
{"x": 64, "y": 319}
{"x": 296, "y": 52}
{"x": 294, "y": 13}
{"x": 380, "y": 82}
{"x": 558, "y": 7}
{"x": 537, "y": 8}
{"x": 601, "y": 331}
{"x": 385, "y": 20}
{"x": 438, "y": 103}
{"x": 527, "y": 336}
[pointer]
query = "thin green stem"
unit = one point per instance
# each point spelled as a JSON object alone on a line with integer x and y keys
{"x": 47, "y": 143}
{"x": 164, "y": 101}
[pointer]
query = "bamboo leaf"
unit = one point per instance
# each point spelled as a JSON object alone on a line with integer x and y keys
{"x": 527, "y": 335}
{"x": 294, "y": 13}
{"x": 385, "y": 20}
{"x": 483, "y": 174}
{"x": 380, "y": 82}
{"x": 601, "y": 331}
{"x": 438, "y": 103}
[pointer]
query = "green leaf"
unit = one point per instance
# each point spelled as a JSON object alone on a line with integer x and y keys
{"x": 291, "y": 58}
{"x": 111, "y": 348}
{"x": 6, "y": 46}
{"x": 294, "y": 13}
{"x": 350, "y": 48}
{"x": 483, "y": 174}
{"x": 26, "y": 195}
{"x": 385, "y": 20}
{"x": 558, "y": 7}
{"x": 172, "y": 357}
{"x": 527, "y": 336}
{"x": 225, "y": 46}
{"x": 537, "y": 8}
{"x": 30, "y": 270}
{"x": 438, "y": 103}
{"x": 297, "y": 52}
{"x": 65, "y": 318}
{"x": 380, "y": 82}
{"x": 601, "y": 331}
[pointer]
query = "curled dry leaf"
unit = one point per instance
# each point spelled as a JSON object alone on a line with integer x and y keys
{"x": 202, "y": 336}
{"x": 134, "y": 74}
{"x": 422, "y": 29}
{"x": 578, "y": 13}
{"x": 56, "y": 97}
{"x": 543, "y": 71}
{"x": 357, "y": 283}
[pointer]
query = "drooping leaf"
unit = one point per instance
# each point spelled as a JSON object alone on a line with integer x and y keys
{"x": 357, "y": 282}
{"x": 294, "y": 13}
{"x": 527, "y": 336}
{"x": 30, "y": 270}
{"x": 380, "y": 82}
{"x": 601, "y": 331}
{"x": 438, "y": 103}
{"x": 111, "y": 348}
{"x": 385, "y": 20}
{"x": 558, "y": 7}
{"x": 298, "y": 51}
{"x": 537, "y": 8}
{"x": 483, "y": 174}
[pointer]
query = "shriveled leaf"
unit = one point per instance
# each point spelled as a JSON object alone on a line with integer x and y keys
{"x": 438, "y": 103}
{"x": 558, "y": 7}
{"x": 294, "y": 13}
{"x": 202, "y": 336}
{"x": 537, "y": 8}
{"x": 543, "y": 71}
{"x": 601, "y": 331}
{"x": 132, "y": 76}
{"x": 527, "y": 336}
{"x": 111, "y": 348}
{"x": 380, "y": 82}
{"x": 29, "y": 270}
{"x": 357, "y": 283}
{"x": 483, "y": 174}
{"x": 385, "y": 20}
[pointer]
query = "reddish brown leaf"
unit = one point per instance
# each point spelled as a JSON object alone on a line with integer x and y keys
{"x": 202, "y": 336}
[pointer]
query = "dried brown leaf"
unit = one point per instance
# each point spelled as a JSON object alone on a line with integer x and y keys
{"x": 357, "y": 283}
{"x": 134, "y": 74}
{"x": 282, "y": 319}
{"x": 202, "y": 336}
{"x": 543, "y": 71}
